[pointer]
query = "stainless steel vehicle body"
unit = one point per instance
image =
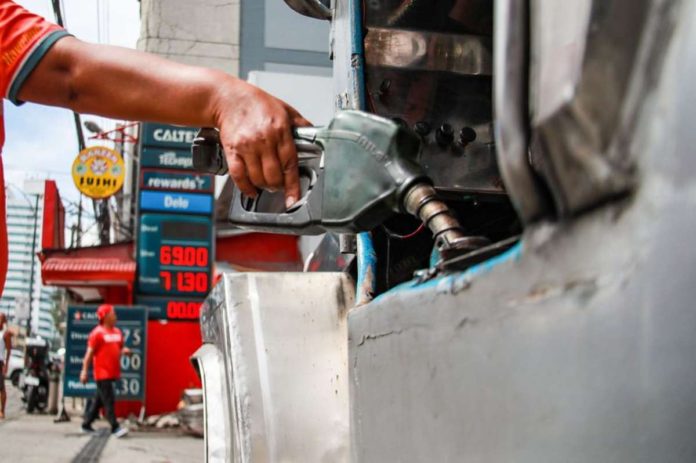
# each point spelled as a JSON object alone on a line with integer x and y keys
{"x": 274, "y": 367}
{"x": 576, "y": 344}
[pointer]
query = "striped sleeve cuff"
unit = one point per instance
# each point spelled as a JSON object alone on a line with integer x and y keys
{"x": 30, "y": 62}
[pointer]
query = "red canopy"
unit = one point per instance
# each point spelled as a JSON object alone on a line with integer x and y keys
{"x": 90, "y": 271}
{"x": 110, "y": 265}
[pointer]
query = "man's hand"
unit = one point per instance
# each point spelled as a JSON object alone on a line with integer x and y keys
{"x": 256, "y": 134}
{"x": 126, "y": 351}
{"x": 85, "y": 364}
{"x": 4, "y": 371}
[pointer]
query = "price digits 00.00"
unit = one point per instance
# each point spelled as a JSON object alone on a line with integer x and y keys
{"x": 183, "y": 310}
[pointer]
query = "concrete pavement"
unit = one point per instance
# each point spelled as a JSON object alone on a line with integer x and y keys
{"x": 37, "y": 439}
{"x": 14, "y": 402}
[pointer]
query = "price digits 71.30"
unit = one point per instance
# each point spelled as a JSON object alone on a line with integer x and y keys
{"x": 185, "y": 282}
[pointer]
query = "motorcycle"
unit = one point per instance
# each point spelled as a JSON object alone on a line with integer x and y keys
{"x": 35, "y": 379}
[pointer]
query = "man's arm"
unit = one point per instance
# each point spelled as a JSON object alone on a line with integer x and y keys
{"x": 85, "y": 364}
{"x": 127, "y": 84}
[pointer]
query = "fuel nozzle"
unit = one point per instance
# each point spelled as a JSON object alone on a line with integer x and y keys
{"x": 355, "y": 173}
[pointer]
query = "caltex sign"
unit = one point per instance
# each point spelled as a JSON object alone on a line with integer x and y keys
{"x": 98, "y": 172}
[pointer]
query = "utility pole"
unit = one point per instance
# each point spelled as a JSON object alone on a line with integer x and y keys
{"x": 78, "y": 123}
{"x": 101, "y": 212}
{"x": 125, "y": 144}
{"x": 134, "y": 166}
{"x": 57, "y": 12}
{"x": 78, "y": 232}
{"x": 78, "y": 127}
{"x": 31, "y": 271}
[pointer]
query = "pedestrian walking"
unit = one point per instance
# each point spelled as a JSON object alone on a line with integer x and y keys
{"x": 104, "y": 350}
{"x": 5, "y": 348}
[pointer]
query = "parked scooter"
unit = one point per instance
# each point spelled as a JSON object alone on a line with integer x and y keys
{"x": 35, "y": 379}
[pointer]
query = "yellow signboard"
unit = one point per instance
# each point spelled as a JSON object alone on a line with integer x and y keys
{"x": 98, "y": 172}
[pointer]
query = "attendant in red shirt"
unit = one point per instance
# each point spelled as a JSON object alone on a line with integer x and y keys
{"x": 40, "y": 62}
{"x": 104, "y": 349}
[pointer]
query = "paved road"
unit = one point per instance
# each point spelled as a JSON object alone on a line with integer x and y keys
{"x": 36, "y": 438}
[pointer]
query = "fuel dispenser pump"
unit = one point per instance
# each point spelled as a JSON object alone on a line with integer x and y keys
{"x": 355, "y": 173}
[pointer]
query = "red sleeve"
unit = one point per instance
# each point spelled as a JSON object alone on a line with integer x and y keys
{"x": 122, "y": 340}
{"x": 24, "y": 40}
{"x": 95, "y": 340}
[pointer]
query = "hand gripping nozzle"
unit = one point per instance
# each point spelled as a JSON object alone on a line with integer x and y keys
{"x": 355, "y": 173}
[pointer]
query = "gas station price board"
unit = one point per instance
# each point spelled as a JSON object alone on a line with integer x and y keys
{"x": 174, "y": 255}
{"x": 175, "y": 240}
{"x": 81, "y": 320}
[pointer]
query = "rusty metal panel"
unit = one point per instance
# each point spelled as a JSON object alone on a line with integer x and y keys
{"x": 594, "y": 65}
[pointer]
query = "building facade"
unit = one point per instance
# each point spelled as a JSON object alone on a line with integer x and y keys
{"x": 237, "y": 37}
{"x": 198, "y": 32}
{"x": 23, "y": 287}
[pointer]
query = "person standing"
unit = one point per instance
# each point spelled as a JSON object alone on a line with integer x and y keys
{"x": 104, "y": 349}
{"x": 5, "y": 348}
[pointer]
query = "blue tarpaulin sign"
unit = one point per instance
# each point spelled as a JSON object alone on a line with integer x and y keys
{"x": 132, "y": 321}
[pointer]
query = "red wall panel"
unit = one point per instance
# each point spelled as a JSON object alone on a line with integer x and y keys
{"x": 169, "y": 370}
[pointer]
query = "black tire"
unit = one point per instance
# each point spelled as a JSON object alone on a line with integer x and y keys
{"x": 32, "y": 399}
{"x": 42, "y": 398}
{"x": 14, "y": 377}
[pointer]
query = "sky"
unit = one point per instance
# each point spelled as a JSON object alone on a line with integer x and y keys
{"x": 41, "y": 141}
